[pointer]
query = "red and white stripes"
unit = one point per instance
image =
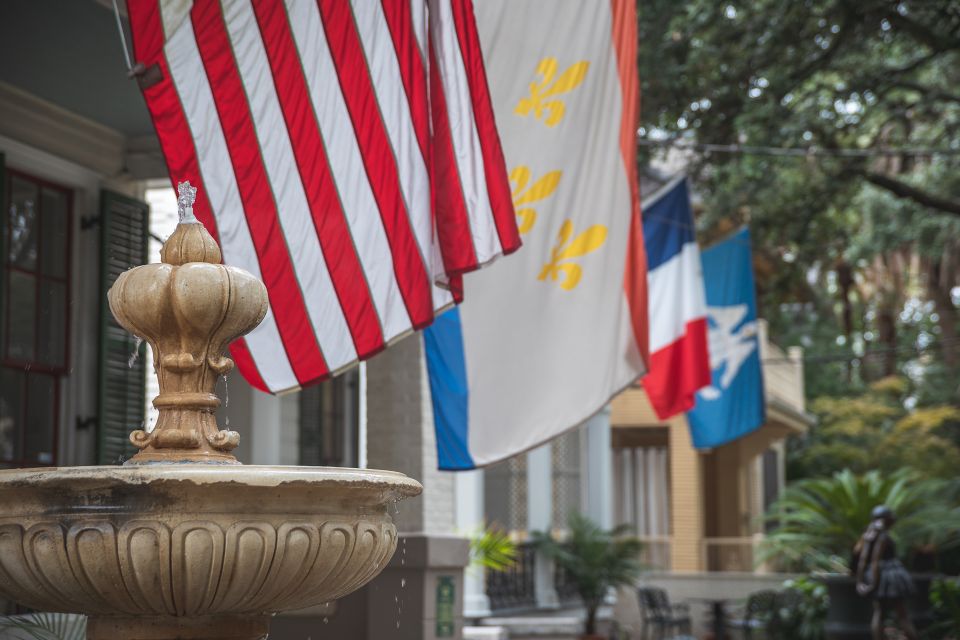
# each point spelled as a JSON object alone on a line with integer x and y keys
{"x": 307, "y": 126}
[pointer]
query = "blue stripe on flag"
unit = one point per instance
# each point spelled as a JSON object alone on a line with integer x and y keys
{"x": 667, "y": 225}
{"x": 447, "y": 367}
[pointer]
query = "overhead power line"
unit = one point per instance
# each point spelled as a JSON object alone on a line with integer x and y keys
{"x": 822, "y": 358}
{"x": 795, "y": 152}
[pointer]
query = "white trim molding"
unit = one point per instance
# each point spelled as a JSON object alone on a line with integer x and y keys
{"x": 35, "y": 122}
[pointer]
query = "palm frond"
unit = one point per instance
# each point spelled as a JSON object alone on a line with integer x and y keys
{"x": 44, "y": 626}
{"x": 493, "y": 549}
{"x": 818, "y": 521}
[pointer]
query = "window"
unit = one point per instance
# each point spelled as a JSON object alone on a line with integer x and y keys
{"x": 641, "y": 499}
{"x": 329, "y": 424}
{"x": 36, "y": 289}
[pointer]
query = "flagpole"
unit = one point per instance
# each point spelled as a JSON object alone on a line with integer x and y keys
{"x": 362, "y": 417}
{"x": 123, "y": 37}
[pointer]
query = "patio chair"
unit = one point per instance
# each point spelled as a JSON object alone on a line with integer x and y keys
{"x": 660, "y": 617}
{"x": 760, "y": 607}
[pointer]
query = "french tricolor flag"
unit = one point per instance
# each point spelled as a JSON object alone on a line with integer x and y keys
{"x": 679, "y": 357}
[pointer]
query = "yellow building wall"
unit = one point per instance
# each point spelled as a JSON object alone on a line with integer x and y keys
{"x": 686, "y": 501}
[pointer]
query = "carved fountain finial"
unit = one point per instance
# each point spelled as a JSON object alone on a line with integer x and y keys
{"x": 189, "y": 308}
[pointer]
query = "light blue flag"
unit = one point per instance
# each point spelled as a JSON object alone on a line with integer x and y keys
{"x": 733, "y": 405}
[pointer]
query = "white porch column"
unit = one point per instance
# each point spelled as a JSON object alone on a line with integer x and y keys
{"x": 540, "y": 518}
{"x": 469, "y": 521}
{"x": 599, "y": 468}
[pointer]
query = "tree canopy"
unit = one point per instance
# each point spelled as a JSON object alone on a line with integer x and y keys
{"x": 836, "y": 74}
{"x": 857, "y": 236}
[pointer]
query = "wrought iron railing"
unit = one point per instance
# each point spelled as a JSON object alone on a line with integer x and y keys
{"x": 565, "y": 587}
{"x": 514, "y": 588}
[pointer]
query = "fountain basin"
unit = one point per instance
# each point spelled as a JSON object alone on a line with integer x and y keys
{"x": 192, "y": 551}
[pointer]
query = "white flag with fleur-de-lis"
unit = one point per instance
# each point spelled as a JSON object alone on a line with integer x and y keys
{"x": 545, "y": 339}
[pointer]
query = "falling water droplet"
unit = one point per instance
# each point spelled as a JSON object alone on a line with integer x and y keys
{"x": 132, "y": 360}
{"x": 326, "y": 620}
{"x": 226, "y": 401}
{"x": 403, "y": 582}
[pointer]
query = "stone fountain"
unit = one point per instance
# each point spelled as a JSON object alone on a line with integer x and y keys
{"x": 182, "y": 541}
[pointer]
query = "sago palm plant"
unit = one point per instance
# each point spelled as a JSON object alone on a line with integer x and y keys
{"x": 44, "y": 626}
{"x": 818, "y": 521}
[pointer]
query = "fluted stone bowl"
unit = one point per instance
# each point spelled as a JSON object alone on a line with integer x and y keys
{"x": 192, "y": 551}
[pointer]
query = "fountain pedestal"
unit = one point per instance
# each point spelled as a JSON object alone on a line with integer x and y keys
{"x": 183, "y": 542}
{"x": 201, "y": 628}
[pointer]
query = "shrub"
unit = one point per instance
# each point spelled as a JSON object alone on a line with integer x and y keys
{"x": 819, "y": 520}
{"x": 804, "y": 613}
{"x": 945, "y": 598}
{"x": 596, "y": 560}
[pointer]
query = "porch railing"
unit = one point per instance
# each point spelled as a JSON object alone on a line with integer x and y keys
{"x": 565, "y": 587}
{"x": 655, "y": 555}
{"x": 514, "y": 589}
{"x": 730, "y": 554}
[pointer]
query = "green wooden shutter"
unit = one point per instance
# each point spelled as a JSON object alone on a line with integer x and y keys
{"x": 124, "y": 234}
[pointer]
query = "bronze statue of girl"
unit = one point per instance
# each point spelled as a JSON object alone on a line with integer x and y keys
{"x": 881, "y": 576}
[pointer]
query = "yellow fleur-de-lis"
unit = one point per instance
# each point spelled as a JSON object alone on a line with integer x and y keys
{"x": 538, "y": 101}
{"x": 584, "y": 243}
{"x": 539, "y": 190}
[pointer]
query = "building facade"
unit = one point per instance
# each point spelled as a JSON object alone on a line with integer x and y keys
{"x": 703, "y": 510}
{"x": 699, "y": 513}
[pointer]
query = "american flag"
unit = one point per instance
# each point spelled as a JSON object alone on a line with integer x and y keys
{"x": 345, "y": 153}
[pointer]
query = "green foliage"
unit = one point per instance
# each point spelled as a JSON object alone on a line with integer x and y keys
{"x": 493, "y": 549}
{"x": 829, "y": 73}
{"x": 945, "y": 598}
{"x": 804, "y": 617}
{"x": 44, "y": 626}
{"x": 857, "y": 259}
{"x": 819, "y": 520}
{"x": 595, "y": 559}
{"x": 874, "y": 430}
